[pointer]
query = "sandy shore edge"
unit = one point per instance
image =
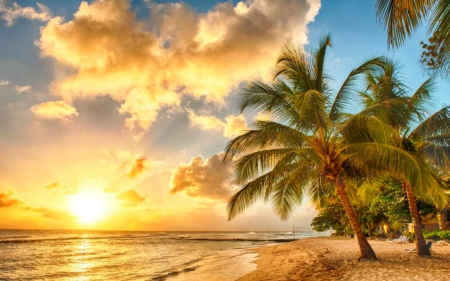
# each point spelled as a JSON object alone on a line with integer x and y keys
{"x": 327, "y": 258}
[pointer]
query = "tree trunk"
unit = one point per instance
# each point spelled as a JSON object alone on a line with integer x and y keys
{"x": 421, "y": 245}
{"x": 442, "y": 220}
{"x": 364, "y": 246}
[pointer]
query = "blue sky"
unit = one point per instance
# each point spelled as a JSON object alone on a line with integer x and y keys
{"x": 84, "y": 99}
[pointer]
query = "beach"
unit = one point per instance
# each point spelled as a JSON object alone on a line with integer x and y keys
{"x": 327, "y": 258}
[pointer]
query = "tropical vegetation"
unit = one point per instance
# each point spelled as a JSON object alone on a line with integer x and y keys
{"x": 313, "y": 145}
{"x": 402, "y": 17}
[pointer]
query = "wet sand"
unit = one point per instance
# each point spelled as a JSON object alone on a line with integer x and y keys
{"x": 326, "y": 258}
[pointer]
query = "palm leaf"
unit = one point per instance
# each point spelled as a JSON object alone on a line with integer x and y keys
{"x": 401, "y": 17}
{"x": 344, "y": 94}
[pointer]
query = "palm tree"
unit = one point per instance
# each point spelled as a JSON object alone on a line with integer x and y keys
{"x": 402, "y": 17}
{"x": 386, "y": 97}
{"x": 308, "y": 146}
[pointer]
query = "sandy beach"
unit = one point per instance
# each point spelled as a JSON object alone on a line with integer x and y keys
{"x": 326, "y": 258}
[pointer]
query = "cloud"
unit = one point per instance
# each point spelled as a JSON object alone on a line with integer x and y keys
{"x": 235, "y": 126}
{"x": 4, "y": 82}
{"x": 126, "y": 163}
{"x": 11, "y": 13}
{"x": 53, "y": 214}
{"x": 53, "y": 185}
{"x": 201, "y": 177}
{"x": 147, "y": 66}
{"x": 232, "y": 126}
{"x": 62, "y": 188}
{"x": 205, "y": 122}
{"x": 138, "y": 167}
{"x": 22, "y": 89}
{"x": 7, "y": 200}
{"x": 130, "y": 198}
{"x": 54, "y": 110}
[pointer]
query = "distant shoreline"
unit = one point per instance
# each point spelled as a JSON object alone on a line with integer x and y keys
{"x": 329, "y": 258}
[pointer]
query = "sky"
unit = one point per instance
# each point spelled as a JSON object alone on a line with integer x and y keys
{"x": 115, "y": 114}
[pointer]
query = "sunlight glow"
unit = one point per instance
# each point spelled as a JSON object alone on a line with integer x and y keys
{"x": 89, "y": 206}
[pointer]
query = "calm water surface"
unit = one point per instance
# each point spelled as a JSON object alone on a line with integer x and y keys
{"x": 113, "y": 255}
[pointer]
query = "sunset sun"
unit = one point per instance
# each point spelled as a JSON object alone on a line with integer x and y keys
{"x": 89, "y": 206}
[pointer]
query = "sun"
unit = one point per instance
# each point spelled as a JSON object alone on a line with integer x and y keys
{"x": 89, "y": 206}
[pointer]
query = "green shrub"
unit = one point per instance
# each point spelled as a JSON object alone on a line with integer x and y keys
{"x": 437, "y": 234}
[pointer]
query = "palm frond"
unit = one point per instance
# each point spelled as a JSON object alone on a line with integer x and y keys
{"x": 365, "y": 128}
{"x": 294, "y": 65}
{"x": 374, "y": 157}
{"x": 401, "y": 17}
{"x": 288, "y": 193}
{"x": 344, "y": 94}
{"x": 319, "y": 64}
{"x": 268, "y": 186}
{"x": 253, "y": 164}
{"x": 267, "y": 135}
{"x": 311, "y": 109}
{"x": 436, "y": 124}
{"x": 437, "y": 155}
{"x": 440, "y": 21}
{"x": 421, "y": 100}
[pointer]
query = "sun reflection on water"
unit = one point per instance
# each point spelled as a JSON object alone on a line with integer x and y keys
{"x": 82, "y": 261}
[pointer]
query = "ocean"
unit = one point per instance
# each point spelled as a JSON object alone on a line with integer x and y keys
{"x": 125, "y": 255}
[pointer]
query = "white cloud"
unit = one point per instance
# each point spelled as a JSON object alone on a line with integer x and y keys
{"x": 22, "y": 89}
{"x": 54, "y": 110}
{"x": 205, "y": 122}
{"x": 184, "y": 52}
{"x": 11, "y": 13}
{"x": 4, "y": 82}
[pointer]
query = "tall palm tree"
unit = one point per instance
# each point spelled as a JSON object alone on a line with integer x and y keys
{"x": 308, "y": 145}
{"x": 386, "y": 97}
{"x": 402, "y": 17}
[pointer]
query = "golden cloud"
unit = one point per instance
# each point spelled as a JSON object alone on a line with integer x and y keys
{"x": 138, "y": 167}
{"x": 235, "y": 126}
{"x": 130, "y": 197}
{"x": 7, "y": 200}
{"x": 61, "y": 188}
{"x": 53, "y": 185}
{"x": 54, "y": 110}
{"x": 201, "y": 177}
{"x": 232, "y": 126}
{"x": 148, "y": 65}
{"x": 53, "y": 214}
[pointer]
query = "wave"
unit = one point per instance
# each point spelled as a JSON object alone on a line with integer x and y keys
{"x": 173, "y": 273}
{"x": 185, "y": 267}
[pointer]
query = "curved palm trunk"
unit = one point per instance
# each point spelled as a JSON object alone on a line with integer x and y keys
{"x": 364, "y": 246}
{"x": 421, "y": 245}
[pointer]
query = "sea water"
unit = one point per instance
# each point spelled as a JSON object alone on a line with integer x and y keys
{"x": 117, "y": 255}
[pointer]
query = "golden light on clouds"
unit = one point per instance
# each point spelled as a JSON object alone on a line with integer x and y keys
{"x": 149, "y": 66}
{"x": 203, "y": 178}
{"x": 108, "y": 74}
{"x": 231, "y": 127}
{"x": 54, "y": 110}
